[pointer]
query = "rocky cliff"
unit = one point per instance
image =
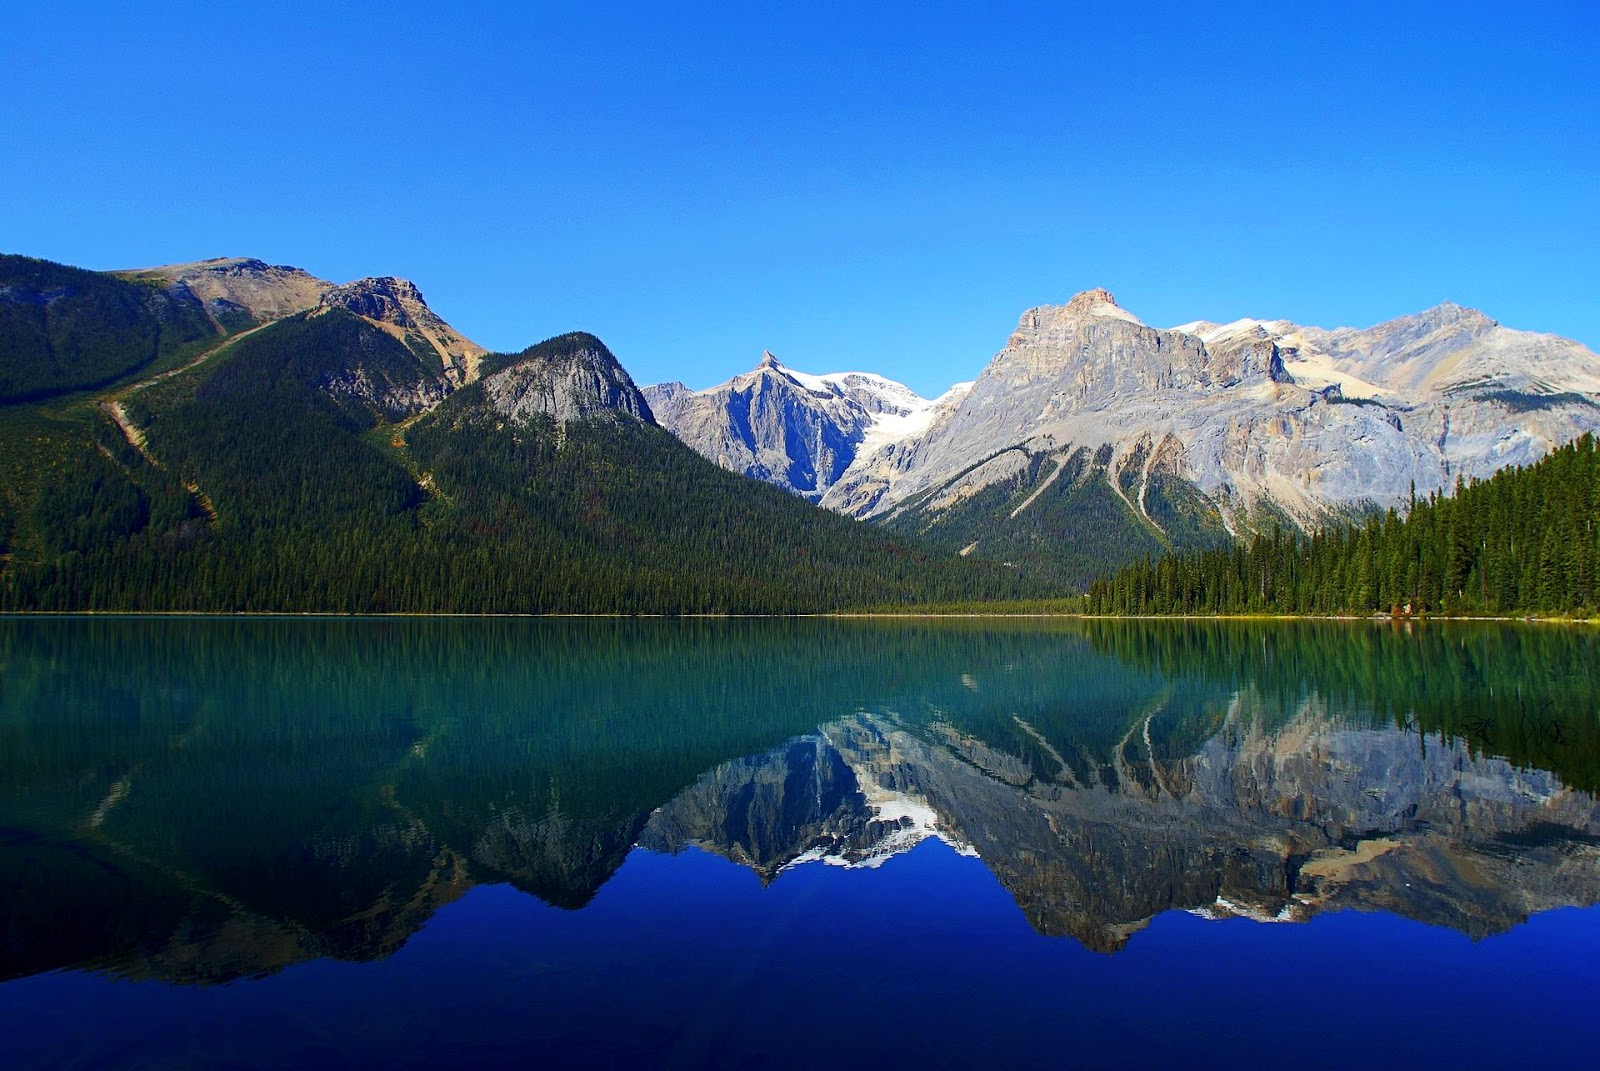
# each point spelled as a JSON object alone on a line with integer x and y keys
{"x": 1091, "y": 429}
{"x": 397, "y": 306}
{"x": 1264, "y": 418}
{"x": 568, "y": 378}
{"x": 798, "y": 431}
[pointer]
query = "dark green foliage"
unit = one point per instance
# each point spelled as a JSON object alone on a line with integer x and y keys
{"x": 1077, "y": 528}
{"x": 1523, "y": 402}
{"x": 97, "y": 509}
{"x": 621, "y": 517}
{"x": 1522, "y": 692}
{"x": 65, "y": 329}
{"x": 281, "y": 483}
{"x": 273, "y": 433}
{"x": 1525, "y": 540}
{"x": 550, "y": 349}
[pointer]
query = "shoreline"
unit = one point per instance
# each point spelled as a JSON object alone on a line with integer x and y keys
{"x": 839, "y": 615}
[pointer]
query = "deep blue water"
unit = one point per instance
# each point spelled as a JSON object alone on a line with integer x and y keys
{"x": 263, "y": 844}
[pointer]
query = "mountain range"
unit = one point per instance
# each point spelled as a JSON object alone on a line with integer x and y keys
{"x": 231, "y": 434}
{"x": 1092, "y": 439}
{"x": 234, "y": 435}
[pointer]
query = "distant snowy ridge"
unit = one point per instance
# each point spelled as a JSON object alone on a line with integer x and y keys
{"x": 801, "y": 431}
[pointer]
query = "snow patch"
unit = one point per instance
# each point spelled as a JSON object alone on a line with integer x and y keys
{"x": 1223, "y": 908}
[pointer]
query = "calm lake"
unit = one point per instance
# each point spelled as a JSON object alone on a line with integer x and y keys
{"x": 269, "y": 843}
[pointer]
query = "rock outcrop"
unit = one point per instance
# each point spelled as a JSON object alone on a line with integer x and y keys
{"x": 231, "y": 287}
{"x": 571, "y": 377}
{"x": 1189, "y": 433}
{"x": 398, "y": 307}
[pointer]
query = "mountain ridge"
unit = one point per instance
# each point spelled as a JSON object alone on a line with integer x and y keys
{"x": 798, "y": 431}
{"x": 1247, "y": 425}
{"x": 357, "y": 456}
{"x": 1090, "y": 441}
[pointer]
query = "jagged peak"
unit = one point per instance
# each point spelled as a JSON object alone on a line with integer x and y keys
{"x": 1097, "y": 303}
{"x": 397, "y": 305}
{"x": 387, "y": 285}
{"x": 384, "y": 298}
{"x": 768, "y": 360}
{"x": 1089, "y": 302}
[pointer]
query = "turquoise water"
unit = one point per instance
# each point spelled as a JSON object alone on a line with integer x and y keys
{"x": 764, "y": 843}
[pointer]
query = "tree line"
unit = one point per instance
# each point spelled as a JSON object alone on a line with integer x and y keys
{"x": 1525, "y": 540}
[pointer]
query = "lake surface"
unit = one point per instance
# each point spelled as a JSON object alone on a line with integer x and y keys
{"x": 265, "y": 843}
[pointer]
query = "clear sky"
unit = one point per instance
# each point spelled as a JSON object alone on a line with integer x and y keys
{"x": 853, "y": 186}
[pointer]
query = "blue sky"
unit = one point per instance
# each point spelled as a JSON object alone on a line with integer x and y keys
{"x": 875, "y": 186}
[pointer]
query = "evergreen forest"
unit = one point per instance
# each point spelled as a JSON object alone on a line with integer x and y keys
{"x": 311, "y": 466}
{"x": 1525, "y": 540}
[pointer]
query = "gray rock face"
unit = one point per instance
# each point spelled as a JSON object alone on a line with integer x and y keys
{"x": 1255, "y": 421}
{"x": 398, "y": 307}
{"x": 570, "y": 378}
{"x": 664, "y": 400}
{"x": 1278, "y": 826}
{"x": 1267, "y": 419}
{"x": 798, "y": 431}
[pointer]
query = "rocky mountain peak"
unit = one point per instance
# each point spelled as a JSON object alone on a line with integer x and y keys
{"x": 1092, "y": 302}
{"x": 1095, "y": 308}
{"x": 386, "y": 298}
{"x": 799, "y": 431}
{"x": 1192, "y": 431}
{"x": 397, "y": 305}
{"x": 566, "y": 378}
{"x": 1449, "y": 314}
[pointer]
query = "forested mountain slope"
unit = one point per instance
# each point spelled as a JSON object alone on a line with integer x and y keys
{"x": 65, "y": 329}
{"x": 336, "y": 461}
{"x": 1526, "y": 539}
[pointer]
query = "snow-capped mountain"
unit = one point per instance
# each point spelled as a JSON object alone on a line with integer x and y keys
{"x": 802, "y": 432}
{"x": 1092, "y": 438}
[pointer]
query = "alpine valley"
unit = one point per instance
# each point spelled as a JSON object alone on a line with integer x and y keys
{"x": 1092, "y": 440}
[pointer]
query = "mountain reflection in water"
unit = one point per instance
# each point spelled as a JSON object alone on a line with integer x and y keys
{"x": 204, "y": 800}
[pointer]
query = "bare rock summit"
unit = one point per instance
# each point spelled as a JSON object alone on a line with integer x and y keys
{"x": 567, "y": 378}
{"x": 234, "y": 288}
{"x": 399, "y": 308}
